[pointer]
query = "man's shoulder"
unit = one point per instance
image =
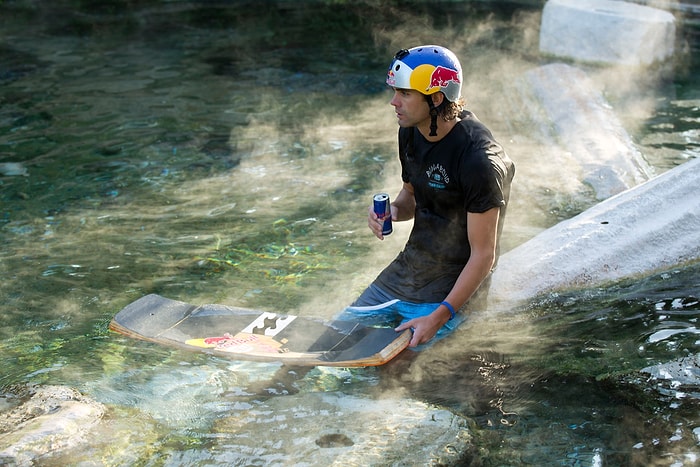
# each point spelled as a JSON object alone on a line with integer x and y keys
{"x": 470, "y": 122}
{"x": 406, "y": 133}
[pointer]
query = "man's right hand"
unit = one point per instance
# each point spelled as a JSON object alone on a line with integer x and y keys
{"x": 374, "y": 224}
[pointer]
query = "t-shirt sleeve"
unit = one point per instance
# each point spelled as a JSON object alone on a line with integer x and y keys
{"x": 484, "y": 181}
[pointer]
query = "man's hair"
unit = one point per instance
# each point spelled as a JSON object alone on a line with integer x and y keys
{"x": 449, "y": 110}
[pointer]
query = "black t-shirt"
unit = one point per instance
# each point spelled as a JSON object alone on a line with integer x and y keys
{"x": 466, "y": 171}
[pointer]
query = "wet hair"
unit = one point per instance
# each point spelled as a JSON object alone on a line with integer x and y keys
{"x": 448, "y": 110}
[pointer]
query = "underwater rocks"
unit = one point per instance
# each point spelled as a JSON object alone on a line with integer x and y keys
{"x": 10, "y": 169}
{"x": 49, "y": 419}
{"x": 341, "y": 429}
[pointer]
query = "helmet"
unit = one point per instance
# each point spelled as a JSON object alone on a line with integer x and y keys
{"x": 427, "y": 69}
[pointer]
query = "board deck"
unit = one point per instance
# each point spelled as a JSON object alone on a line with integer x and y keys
{"x": 244, "y": 334}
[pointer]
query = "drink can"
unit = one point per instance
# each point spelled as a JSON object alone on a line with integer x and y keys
{"x": 382, "y": 208}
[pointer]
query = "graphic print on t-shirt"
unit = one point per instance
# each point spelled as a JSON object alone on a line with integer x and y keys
{"x": 437, "y": 177}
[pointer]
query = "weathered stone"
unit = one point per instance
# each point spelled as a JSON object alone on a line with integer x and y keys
{"x": 596, "y": 148}
{"x": 607, "y": 31}
{"x": 649, "y": 228}
{"x": 340, "y": 429}
{"x": 53, "y": 419}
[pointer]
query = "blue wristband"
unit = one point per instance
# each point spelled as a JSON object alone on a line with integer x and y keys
{"x": 449, "y": 307}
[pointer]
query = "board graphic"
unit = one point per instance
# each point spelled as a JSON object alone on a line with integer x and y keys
{"x": 254, "y": 335}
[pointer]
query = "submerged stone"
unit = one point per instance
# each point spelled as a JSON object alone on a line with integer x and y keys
{"x": 10, "y": 169}
{"x": 52, "y": 419}
{"x": 340, "y": 429}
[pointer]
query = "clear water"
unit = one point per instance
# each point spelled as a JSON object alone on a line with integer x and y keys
{"x": 223, "y": 153}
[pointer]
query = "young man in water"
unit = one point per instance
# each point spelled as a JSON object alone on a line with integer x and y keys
{"x": 456, "y": 185}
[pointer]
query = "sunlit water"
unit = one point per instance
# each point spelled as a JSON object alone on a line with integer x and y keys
{"x": 224, "y": 155}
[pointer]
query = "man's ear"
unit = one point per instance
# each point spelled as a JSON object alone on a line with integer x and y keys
{"x": 437, "y": 98}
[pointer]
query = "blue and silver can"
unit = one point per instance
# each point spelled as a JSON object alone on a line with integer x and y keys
{"x": 382, "y": 208}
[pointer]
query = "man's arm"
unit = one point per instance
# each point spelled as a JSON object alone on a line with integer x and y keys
{"x": 482, "y": 231}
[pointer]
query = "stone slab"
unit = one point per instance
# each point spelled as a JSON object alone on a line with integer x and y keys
{"x": 652, "y": 227}
{"x": 606, "y": 31}
{"x": 574, "y": 114}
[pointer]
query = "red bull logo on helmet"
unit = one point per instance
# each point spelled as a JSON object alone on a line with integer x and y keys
{"x": 391, "y": 78}
{"x": 441, "y": 77}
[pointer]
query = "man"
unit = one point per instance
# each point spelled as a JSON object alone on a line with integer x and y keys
{"x": 456, "y": 184}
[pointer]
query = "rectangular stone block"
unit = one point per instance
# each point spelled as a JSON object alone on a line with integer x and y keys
{"x": 606, "y": 31}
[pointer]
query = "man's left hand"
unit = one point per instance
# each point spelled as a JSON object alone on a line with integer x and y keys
{"x": 424, "y": 328}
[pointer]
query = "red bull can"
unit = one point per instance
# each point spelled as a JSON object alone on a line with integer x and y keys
{"x": 382, "y": 208}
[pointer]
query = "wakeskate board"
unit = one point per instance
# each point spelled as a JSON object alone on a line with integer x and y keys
{"x": 243, "y": 334}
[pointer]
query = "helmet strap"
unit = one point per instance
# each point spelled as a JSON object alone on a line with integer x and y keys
{"x": 433, "y": 116}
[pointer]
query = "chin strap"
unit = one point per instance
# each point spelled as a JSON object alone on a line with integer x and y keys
{"x": 433, "y": 116}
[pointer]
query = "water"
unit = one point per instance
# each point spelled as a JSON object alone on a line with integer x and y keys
{"x": 220, "y": 153}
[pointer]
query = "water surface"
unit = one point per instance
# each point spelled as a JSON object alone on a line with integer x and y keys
{"x": 221, "y": 153}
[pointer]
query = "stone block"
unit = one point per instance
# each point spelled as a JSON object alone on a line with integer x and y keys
{"x": 650, "y": 228}
{"x": 606, "y": 31}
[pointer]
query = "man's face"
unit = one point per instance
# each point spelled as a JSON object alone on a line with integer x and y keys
{"x": 411, "y": 108}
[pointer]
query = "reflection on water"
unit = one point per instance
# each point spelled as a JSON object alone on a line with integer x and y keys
{"x": 221, "y": 154}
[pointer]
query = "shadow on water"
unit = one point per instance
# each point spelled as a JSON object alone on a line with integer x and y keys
{"x": 222, "y": 152}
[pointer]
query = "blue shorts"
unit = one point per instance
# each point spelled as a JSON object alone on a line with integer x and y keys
{"x": 377, "y": 308}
